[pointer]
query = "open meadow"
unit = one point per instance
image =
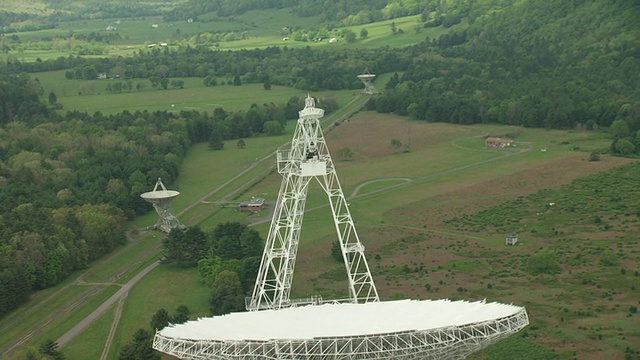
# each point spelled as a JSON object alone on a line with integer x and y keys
{"x": 91, "y": 95}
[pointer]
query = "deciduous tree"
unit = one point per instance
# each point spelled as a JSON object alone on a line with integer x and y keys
{"x": 227, "y": 294}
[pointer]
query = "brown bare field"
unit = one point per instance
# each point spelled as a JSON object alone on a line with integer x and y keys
{"x": 416, "y": 249}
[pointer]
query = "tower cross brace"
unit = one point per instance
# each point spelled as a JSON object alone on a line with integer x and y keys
{"x": 307, "y": 159}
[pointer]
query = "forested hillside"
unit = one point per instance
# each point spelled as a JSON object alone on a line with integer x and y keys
{"x": 555, "y": 64}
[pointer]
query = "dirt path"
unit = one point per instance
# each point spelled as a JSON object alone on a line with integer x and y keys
{"x": 74, "y": 303}
{"x": 112, "y": 330}
{"x": 120, "y": 294}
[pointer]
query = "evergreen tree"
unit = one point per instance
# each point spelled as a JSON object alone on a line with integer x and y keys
{"x": 181, "y": 315}
{"x": 160, "y": 319}
{"x": 186, "y": 247}
{"x": 50, "y": 348}
{"x": 234, "y": 240}
{"x": 53, "y": 99}
{"x": 139, "y": 348}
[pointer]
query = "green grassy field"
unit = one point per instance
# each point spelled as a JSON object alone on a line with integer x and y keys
{"x": 166, "y": 287}
{"x": 91, "y": 96}
{"x": 460, "y": 259}
{"x": 254, "y": 29}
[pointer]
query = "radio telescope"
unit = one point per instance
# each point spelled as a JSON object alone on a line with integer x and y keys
{"x": 160, "y": 197}
{"x": 367, "y": 80}
{"x": 360, "y": 327}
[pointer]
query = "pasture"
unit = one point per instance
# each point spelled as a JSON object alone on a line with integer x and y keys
{"x": 91, "y": 95}
{"x": 254, "y": 29}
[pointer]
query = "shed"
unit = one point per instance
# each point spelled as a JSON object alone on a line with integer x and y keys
{"x": 253, "y": 205}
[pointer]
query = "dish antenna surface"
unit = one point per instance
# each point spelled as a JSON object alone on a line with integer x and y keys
{"x": 160, "y": 197}
{"x": 367, "y": 80}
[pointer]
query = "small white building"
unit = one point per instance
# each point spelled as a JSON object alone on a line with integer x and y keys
{"x": 154, "y": 26}
{"x": 512, "y": 239}
{"x": 111, "y": 28}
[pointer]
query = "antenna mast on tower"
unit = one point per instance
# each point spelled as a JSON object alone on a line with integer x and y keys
{"x": 307, "y": 159}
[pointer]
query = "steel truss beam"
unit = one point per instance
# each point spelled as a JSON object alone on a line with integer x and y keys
{"x": 307, "y": 159}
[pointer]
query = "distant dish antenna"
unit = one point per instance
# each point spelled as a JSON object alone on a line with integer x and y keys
{"x": 367, "y": 79}
{"x": 160, "y": 197}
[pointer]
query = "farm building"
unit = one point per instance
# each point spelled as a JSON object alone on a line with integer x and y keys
{"x": 512, "y": 239}
{"x": 255, "y": 204}
{"x": 497, "y": 143}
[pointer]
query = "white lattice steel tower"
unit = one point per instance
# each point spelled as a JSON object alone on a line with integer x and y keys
{"x": 307, "y": 159}
{"x": 367, "y": 80}
{"x": 160, "y": 197}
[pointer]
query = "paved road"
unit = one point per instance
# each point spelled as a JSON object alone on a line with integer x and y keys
{"x": 120, "y": 294}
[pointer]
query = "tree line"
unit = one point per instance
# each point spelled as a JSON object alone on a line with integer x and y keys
{"x": 339, "y": 12}
{"x": 303, "y": 68}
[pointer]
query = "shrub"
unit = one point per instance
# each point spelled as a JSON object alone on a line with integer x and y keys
{"x": 544, "y": 262}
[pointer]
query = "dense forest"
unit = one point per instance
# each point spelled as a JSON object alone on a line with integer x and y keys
{"x": 68, "y": 182}
{"x": 553, "y": 65}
